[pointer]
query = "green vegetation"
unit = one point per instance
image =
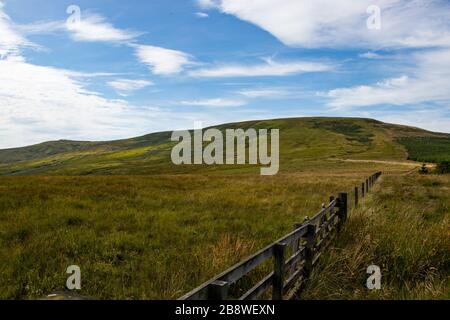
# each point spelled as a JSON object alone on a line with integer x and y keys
{"x": 352, "y": 131}
{"x": 402, "y": 228}
{"x": 443, "y": 167}
{"x": 428, "y": 149}
{"x": 142, "y": 228}
{"x": 148, "y": 237}
{"x": 304, "y": 142}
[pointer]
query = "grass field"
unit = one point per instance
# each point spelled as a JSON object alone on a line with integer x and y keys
{"x": 403, "y": 227}
{"x": 142, "y": 228}
{"x": 147, "y": 237}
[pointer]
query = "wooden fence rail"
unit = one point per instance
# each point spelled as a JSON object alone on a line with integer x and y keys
{"x": 294, "y": 255}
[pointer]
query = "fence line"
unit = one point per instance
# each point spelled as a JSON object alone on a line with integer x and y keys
{"x": 294, "y": 255}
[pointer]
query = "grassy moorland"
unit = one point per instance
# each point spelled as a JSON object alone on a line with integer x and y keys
{"x": 403, "y": 227}
{"x": 146, "y": 237}
{"x": 142, "y": 228}
{"x": 303, "y": 143}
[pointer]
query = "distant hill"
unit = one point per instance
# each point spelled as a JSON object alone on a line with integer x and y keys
{"x": 302, "y": 140}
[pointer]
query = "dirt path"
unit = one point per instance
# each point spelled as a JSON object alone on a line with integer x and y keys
{"x": 402, "y": 163}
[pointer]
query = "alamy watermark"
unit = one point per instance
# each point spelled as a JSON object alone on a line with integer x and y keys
{"x": 374, "y": 280}
{"x": 74, "y": 280}
{"x": 374, "y": 20}
{"x": 239, "y": 146}
{"x": 74, "y": 19}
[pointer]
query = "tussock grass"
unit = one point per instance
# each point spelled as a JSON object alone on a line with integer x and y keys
{"x": 158, "y": 237}
{"x": 403, "y": 227}
{"x": 145, "y": 237}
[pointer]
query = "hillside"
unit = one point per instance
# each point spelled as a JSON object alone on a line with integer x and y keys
{"x": 158, "y": 237}
{"x": 302, "y": 141}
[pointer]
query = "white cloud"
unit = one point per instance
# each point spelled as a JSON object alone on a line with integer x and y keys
{"x": 11, "y": 41}
{"x": 58, "y": 107}
{"x": 40, "y": 103}
{"x": 126, "y": 86}
{"x": 263, "y": 93}
{"x": 428, "y": 82}
{"x": 61, "y": 107}
{"x": 95, "y": 28}
{"x": 163, "y": 61}
{"x": 41, "y": 27}
{"x": 422, "y": 117}
{"x": 207, "y": 4}
{"x": 343, "y": 23}
{"x": 90, "y": 28}
{"x": 269, "y": 68}
{"x": 370, "y": 55}
{"x": 201, "y": 15}
{"x": 218, "y": 102}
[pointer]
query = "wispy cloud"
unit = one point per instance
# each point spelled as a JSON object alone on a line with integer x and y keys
{"x": 263, "y": 93}
{"x": 91, "y": 27}
{"x": 343, "y": 23}
{"x": 163, "y": 61}
{"x": 11, "y": 41}
{"x": 60, "y": 106}
{"x": 125, "y": 87}
{"x": 425, "y": 117}
{"x": 96, "y": 28}
{"x": 269, "y": 68}
{"x": 41, "y": 27}
{"x": 428, "y": 82}
{"x": 217, "y": 102}
{"x": 370, "y": 55}
{"x": 201, "y": 15}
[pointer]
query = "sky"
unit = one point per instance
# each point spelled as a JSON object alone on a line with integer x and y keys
{"x": 104, "y": 70}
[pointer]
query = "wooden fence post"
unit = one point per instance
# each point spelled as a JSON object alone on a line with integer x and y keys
{"x": 218, "y": 290}
{"x": 343, "y": 209}
{"x": 363, "y": 193}
{"x": 278, "y": 275}
{"x": 367, "y": 185}
{"x": 310, "y": 237}
{"x": 356, "y": 197}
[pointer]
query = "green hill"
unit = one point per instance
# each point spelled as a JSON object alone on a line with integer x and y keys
{"x": 302, "y": 142}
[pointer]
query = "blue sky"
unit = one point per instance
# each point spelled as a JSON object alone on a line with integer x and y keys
{"x": 123, "y": 69}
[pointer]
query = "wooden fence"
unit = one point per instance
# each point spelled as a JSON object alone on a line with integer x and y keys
{"x": 294, "y": 255}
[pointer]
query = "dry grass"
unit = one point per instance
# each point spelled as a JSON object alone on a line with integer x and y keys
{"x": 158, "y": 237}
{"x": 403, "y": 227}
{"x": 144, "y": 237}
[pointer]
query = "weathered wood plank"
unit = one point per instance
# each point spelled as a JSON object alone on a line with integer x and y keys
{"x": 256, "y": 291}
{"x": 295, "y": 258}
{"x": 278, "y": 273}
{"x": 293, "y": 278}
